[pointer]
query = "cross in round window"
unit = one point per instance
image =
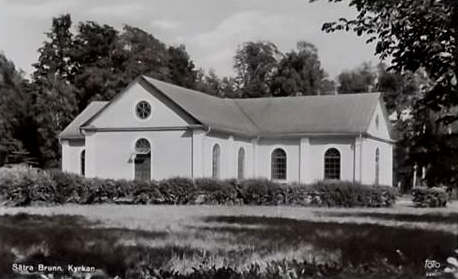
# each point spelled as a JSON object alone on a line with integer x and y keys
{"x": 142, "y": 146}
{"x": 143, "y": 109}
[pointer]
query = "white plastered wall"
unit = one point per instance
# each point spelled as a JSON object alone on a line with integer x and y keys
{"x": 385, "y": 165}
{"x": 319, "y": 146}
{"x": 110, "y": 154}
{"x": 121, "y": 112}
{"x": 71, "y": 155}
{"x": 264, "y": 150}
{"x": 229, "y": 146}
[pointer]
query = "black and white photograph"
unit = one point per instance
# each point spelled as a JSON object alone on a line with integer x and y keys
{"x": 228, "y": 139}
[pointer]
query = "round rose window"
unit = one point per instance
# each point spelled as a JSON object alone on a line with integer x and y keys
{"x": 143, "y": 109}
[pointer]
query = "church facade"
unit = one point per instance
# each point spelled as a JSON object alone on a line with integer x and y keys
{"x": 155, "y": 130}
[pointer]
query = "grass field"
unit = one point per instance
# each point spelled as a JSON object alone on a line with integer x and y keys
{"x": 124, "y": 239}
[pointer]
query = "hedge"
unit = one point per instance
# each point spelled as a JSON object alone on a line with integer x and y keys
{"x": 429, "y": 197}
{"x": 22, "y": 186}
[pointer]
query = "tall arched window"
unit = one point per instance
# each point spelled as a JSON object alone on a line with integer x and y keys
{"x": 142, "y": 160}
{"x": 377, "y": 166}
{"x": 332, "y": 164}
{"x": 83, "y": 161}
{"x": 241, "y": 164}
{"x": 278, "y": 164}
{"x": 216, "y": 161}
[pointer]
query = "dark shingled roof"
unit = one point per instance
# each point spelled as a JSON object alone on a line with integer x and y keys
{"x": 281, "y": 116}
{"x": 72, "y": 131}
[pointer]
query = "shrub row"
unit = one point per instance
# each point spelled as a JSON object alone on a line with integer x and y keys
{"x": 22, "y": 186}
{"x": 429, "y": 197}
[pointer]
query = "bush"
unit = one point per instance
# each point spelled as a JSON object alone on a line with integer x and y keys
{"x": 262, "y": 192}
{"x": 24, "y": 186}
{"x": 147, "y": 192}
{"x": 71, "y": 188}
{"x": 429, "y": 197}
{"x": 348, "y": 194}
{"x": 214, "y": 191}
{"x": 177, "y": 190}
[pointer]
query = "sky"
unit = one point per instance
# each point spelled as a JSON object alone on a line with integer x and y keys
{"x": 211, "y": 30}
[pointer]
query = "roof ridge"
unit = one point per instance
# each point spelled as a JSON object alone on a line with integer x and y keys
{"x": 369, "y": 94}
{"x": 190, "y": 89}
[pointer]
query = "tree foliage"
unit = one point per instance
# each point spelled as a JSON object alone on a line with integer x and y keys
{"x": 214, "y": 85}
{"x": 419, "y": 35}
{"x": 299, "y": 72}
{"x": 262, "y": 70}
{"x": 16, "y": 140}
{"x": 255, "y": 64}
{"x": 359, "y": 80}
{"x": 94, "y": 63}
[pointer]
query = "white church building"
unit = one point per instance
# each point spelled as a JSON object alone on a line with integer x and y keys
{"x": 156, "y": 130}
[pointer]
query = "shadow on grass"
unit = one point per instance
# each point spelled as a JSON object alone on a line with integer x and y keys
{"x": 63, "y": 239}
{"x": 449, "y": 218}
{"x": 359, "y": 244}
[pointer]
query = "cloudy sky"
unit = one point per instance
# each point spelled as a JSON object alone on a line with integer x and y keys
{"x": 210, "y": 29}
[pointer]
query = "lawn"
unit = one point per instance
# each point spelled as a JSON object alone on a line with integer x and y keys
{"x": 306, "y": 242}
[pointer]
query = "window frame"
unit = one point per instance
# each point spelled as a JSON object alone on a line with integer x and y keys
{"x": 136, "y": 148}
{"x": 333, "y": 161}
{"x": 279, "y": 170}
{"x": 83, "y": 162}
{"x": 137, "y": 112}
{"x": 377, "y": 166}
{"x": 140, "y": 153}
{"x": 216, "y": 161}
{"x": 241, "y": 165}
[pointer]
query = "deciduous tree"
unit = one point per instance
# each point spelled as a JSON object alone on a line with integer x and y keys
{"x": 359, "y": 80}
{"x": 419, "y": 35}
{"x": 55, "y": 102}
{"x": 299, "y": 72}
{"x": 255, "y": 64}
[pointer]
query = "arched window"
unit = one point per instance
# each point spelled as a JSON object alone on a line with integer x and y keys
{"x": 377, "y": 122}
{"x": 216, "y": 161}
{"x": 83, "y": 161}
{"x": 278, "y": 164}
{"x": 377, "y": 166}
{"x": 332, "y": 164}
{"x": 142, "y": 160}
{"x": 241, "y": 164}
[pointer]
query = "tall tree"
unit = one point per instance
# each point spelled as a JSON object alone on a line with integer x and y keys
{"x": 14, "y": 111}
{"x": 95, "y": 63}
{"x": 255, "y": 64}
{"x": 359, "y": 80}
{"x": 299, "y": 72}
{"x": 399, "y": 90}
{"x": 55, "y": 100}
{"x": 209, "y": 83}
{"x": 139, "y": 52}
{"x": 419, "y": 35}
{"x": 181, "y": 67}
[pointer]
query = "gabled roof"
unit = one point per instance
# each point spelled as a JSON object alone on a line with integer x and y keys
{"x": 326, "y": 114}
{"x": 347, "y": 114}
{"x": 214, "y": 112}
{"x": 72, "y": 131}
